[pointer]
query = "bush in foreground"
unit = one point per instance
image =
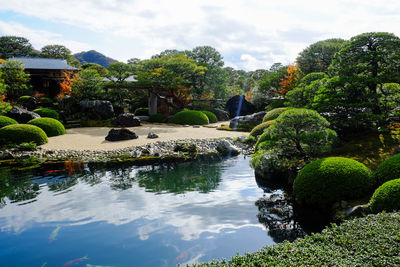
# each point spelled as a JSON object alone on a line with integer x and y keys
{"x": 4, "y": 121}
{"x": 22, "y": 99}
{"x": 386, "y": 197}
{"x": 326, "y": 181}
{"x": 344, "y": 245}
{"x": 52, "y": 127}
{"x": 47, "y": 113}
{"x": 190, "y": 117}
{"x": 388, "y": 170}
{"x": 259, "y": 129}
{"x": 211, "y": 116}
{"x": 157, "y": 118}
{"x": 22, "y": 133}
{"x": 273, "y": 114}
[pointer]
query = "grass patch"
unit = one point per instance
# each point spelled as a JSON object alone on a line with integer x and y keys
{"x": 373, "y": 240}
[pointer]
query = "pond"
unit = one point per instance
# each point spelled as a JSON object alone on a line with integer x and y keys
{"x": 80, "y": 215}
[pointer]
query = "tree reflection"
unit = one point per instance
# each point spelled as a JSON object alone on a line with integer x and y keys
{"x": 179, "y": 178}
{"x": 276, "y": 214}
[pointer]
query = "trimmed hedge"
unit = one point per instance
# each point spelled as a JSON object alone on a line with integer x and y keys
{"x": 22, "y": 133}
{"x": 190, "y": 117}
{"x": 388, "y": 170}
{"x": 141, "y": 112}
{"x": 4, "y": 121}
{"x": 21, "y": 100}
{"x": 344, "y": 245}
{"x": 51, "y": 126}
{"x": 259, "y": 129}
{"x": 211, "y": 116}
{"x": 157, "y": 118}
{"x": 47, "y": 113}
{"x": 386, "y": 197}
{"x": 328, "y": 180}
{"x": 273, "y": 114}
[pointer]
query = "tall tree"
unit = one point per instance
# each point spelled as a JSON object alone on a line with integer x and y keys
{"x": 94, "y": 66}
{"x": 14, "y": 46}
{"x": 119, "y": 71}
{"x": 55, "y": 51}
{"x": 318, "y": 56}
{"x": 16, "y": 80}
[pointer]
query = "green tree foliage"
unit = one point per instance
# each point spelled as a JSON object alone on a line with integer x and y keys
{"x": 119, "y": 71}
{"x": 15, "y": 78}
{"x": 94, "y": 66}
{"x": 72, "y": 61}
{"x": 270, "y": 83}
{"x": 55, "y": 51}
{"x": 135, "y": 65}
{"x": 214, "y": 78}
{"x": 14, "y": 46}
{"x": 318, "y": 56}
{"x": 87, "y": 85}
{"x": 299, "y": 133}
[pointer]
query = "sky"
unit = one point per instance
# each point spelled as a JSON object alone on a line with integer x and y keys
{"x": 250, "y": 34}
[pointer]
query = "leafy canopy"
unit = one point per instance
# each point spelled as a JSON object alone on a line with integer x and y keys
{"x": 14, "y": 46}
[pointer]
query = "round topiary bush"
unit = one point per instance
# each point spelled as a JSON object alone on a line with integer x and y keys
{"x": 22, "y": 133}
{"x": 191, "y": 117}
{"x": 23, "y": 99}
{"x": 4, "y": 121}
{"x": 211, "y": 116}
{"x": 142, "y": 112}
{"x": 388, "y": 170}
{"x": 52, "y": 127}
{"x": 47, "y": 113}
{"x": 326, "y": 181}
{"x": 386, "y": 197}
{"x": 273, "y": 114}
{"x": 157, "y": 118}
{"x": 259, "y": 129}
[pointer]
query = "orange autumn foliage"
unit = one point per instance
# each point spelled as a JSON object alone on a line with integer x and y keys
{"x": 290, "y": 80}
{"x": 66, "y": 84}
{"x": 3, "y": 97}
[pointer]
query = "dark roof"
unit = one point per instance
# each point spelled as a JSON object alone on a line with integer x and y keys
{"x": 45, "y": 63}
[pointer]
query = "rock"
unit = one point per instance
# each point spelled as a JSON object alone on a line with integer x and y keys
{"x": 196, "y": 126}
{"x": 357, "y": 211}
{"x": 69, "y": 105}
{"x": 143, "y": 118}
{"x": 120, "y": 134}
{"x": 222, "y": 115}
{"x": 126, "y": 120}
{"x": 97, "y": 109}
{"x": 22, "y": 115}
{"x": 227, "y": 149}
{"x": 31, "y": 103}
{"x": 239, "y": 106}
{"x": 136, "y": 153}
{"x": 6, "y": 155}
{"x": 152, "y": 135}
{"x": 253, "y": 119}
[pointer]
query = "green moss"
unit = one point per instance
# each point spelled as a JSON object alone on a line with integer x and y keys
{"x": 259, "y": 129}
{"x": 52, "y": 127}
{"x": 211, "y": 116}
{"x": 224, "y": 128}
{"x": 326, "y": 181}
{"x": 4, "y": 121}
{"x": 190, "y": 117}
{"x": 185, "y": 147}
{"x": 388, "y": 170}
{"x": 47, "y": 113}
{"x": 20, "y": 133}
{"x": 273, "y": 114}
{"x": 373, "y": 240}
{"x": 386, "y": 197}
{"x": 157, "y": 118}
{"x": 22, "y": 100}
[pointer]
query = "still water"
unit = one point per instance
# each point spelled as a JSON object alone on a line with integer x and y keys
{"x": 80, "y": 215}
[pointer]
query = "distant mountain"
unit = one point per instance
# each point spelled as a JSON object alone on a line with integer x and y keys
{"x": 93, "y": 56}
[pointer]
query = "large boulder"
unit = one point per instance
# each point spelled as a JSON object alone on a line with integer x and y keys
{"x": 222, "y": 115}
{"x": 239, "y": 106}
{"x": 69, "y": 105}
{"x": 253, "y": 119}
{"x": 225, "y": 148}
{"x": 120, "y": 134}
{"x": 22, "y": 115}
{"x": 97, "y": 109}
{"x": 126, "y": 120}
{"x": 31, "y": 103}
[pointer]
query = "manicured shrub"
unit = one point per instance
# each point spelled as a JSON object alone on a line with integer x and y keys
{"x": 388, "y": 170}
{"x": 259, "y": 129}
{"x": 4, "y": 121}
{"x": 157, "y": 118}
{"x": 326, "y": 181}
{"x": 51, "y": 126}
{"x": 141, "y": 112}
{"x": 45, "y": 100}
{"x": 386, "y": 197}
{"x": 22, "y": 133}
{"x": 23, "y": 99}
{"x": 273, "y": 114}
{"x": 211, "y": 116}
{"x": 47, "y": 113}
{"x": 190, "y": 117}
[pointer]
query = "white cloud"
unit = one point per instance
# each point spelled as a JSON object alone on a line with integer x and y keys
{"x": 256, "y": 28}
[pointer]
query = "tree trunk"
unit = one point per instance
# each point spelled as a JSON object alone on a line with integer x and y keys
{"x": 152, "y": 103}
